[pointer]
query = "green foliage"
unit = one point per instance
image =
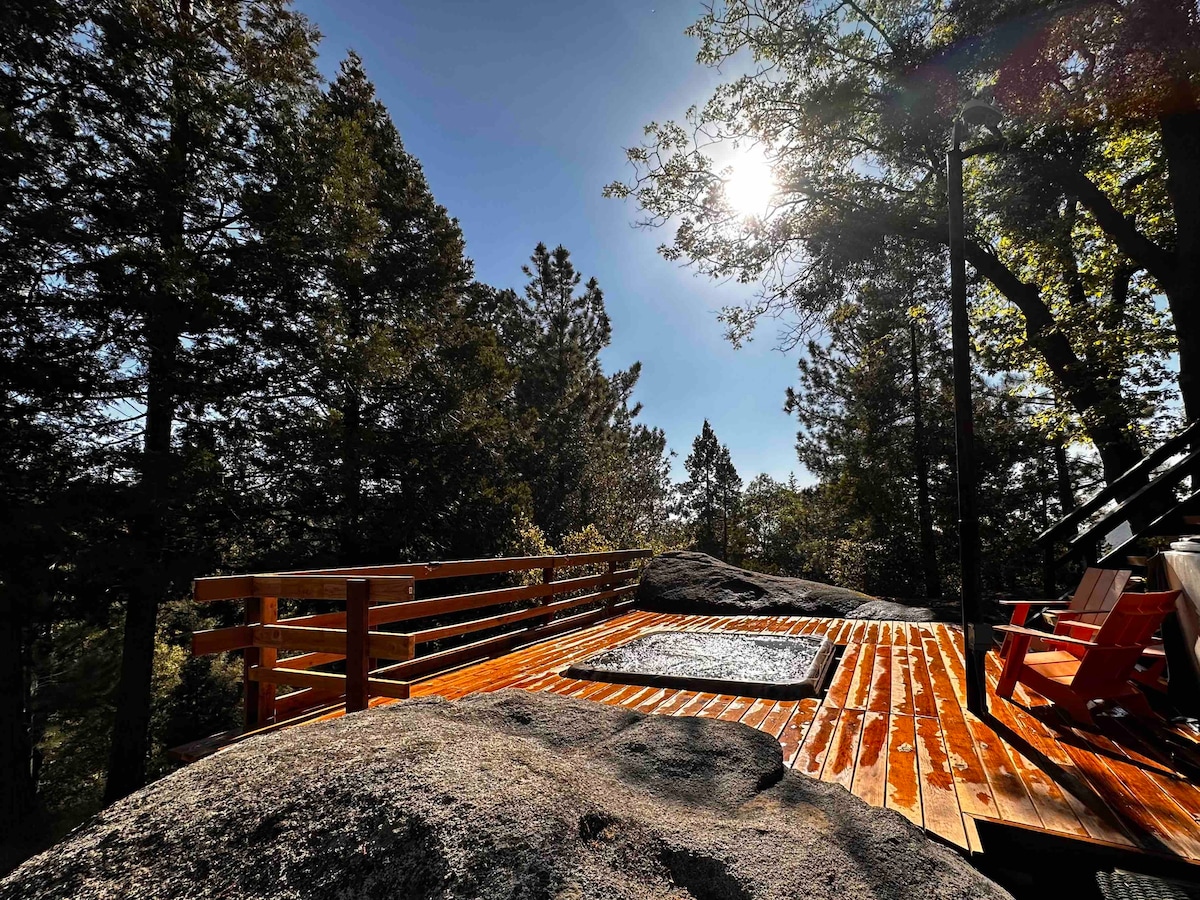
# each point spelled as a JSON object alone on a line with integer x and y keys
{"x": 384, "y": 371}
{"x": 75, "y": 670}
{"x": 1073, "y": 225}
{"x": 530, "y": 540}
{"x": 585, "y": 458}
{"x": 875, "y": 405}
{"x": 240, "y": 333}
{"x": 588, "y": 540}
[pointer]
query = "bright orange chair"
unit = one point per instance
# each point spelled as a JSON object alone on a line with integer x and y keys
{"x": 1095, "y": 669}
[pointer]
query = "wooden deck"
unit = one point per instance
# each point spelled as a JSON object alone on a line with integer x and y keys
{"x": 892, "y": 728}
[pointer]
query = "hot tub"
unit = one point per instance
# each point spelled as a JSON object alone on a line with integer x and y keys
{"x": 776, "y": 666}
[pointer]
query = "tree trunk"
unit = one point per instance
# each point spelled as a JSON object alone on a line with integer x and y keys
{"x": 162, "y": 332}
{"x": 351, "y": 538}
{"x": 131, "y": 737}
{"x": 725, "y": 526}
{"x": 1097, "y": 401}
{"x": 929, "y": 564}
{"x": 1181, "y": 147}
{"x": 710, "y": 528}
{"x": 131, "y": 740}
{"x": 20, "y": 824}
{"x": 1062, "y": 471}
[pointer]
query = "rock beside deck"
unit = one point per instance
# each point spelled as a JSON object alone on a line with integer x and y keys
{"x": 681, "y": 581}
{"x": 504, "y": 795}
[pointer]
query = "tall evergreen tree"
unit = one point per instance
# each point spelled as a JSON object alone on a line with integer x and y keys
{"x": 700, "y": 490}
{"x": 875, "y": 407}
{"x": 48, "y": 370}
{"x": 729, "y": 491}
{"x": 563, "y": 386}
{"x": 175, "y": 100}
{"x": 712, "y": 493}
{"x": 627, "y": 480}
{"x": 389, "y": 393}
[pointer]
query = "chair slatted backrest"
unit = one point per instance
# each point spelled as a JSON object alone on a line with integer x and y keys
{"x": 1098, "y": 592}
{"x": 1126, "y": 632}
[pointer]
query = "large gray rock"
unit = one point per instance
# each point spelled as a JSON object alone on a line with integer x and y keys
{"x": 508, "y": 795}
{"x": 890, "y": 610}
{"x": 681, "y": 581}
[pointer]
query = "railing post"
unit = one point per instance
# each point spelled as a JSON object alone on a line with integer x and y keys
{"x": 260, "y": 696}
{"x": 358, "y": 600}
{"x": 547, "y": 578}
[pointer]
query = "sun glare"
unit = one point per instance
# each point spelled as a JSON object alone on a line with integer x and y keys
{"x": 749, "y": 183}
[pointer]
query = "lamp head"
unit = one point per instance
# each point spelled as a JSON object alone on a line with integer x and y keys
{"x": 980, "y": 113}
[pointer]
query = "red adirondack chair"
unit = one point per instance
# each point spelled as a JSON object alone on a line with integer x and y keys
{"x": 1097, "y": 592}
{"x": 1096, "y": 669}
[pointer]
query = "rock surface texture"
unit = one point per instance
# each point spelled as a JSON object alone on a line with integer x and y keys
{"x": 680, "y": 581}
{"x": 506, "y": 795}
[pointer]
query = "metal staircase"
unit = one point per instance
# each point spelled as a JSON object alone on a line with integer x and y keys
{"x": 1150, "y": 498}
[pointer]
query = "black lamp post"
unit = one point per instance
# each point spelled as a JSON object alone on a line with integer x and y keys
{"x": 976, "y": 633}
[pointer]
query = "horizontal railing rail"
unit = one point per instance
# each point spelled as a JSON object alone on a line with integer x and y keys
{"x": 380, "y": 663}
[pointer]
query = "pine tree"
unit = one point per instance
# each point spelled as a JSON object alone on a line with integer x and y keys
{"x": 390, "y": 421}
{"x": 712, "y": 494}
{"x": 175, "y": 101}
{"x": 875, "y": 404}
{"x": 50, "y": 374}
{"x": 729, "y": 492}
{"x": 627, "y": 480}
{"x": 563, "y": 387}
{"x": 860, "y": 418}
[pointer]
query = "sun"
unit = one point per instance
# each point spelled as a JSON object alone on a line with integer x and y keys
{"x": 749, "y": 183}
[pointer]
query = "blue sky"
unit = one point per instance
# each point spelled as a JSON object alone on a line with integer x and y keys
{"x": 519, "y": 113}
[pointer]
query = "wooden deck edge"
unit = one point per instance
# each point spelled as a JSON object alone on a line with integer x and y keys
{"x": 1134, "y": 858}
{"x": 207, "y": 746}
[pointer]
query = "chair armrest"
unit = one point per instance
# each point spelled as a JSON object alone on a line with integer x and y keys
{"x": 1035, "y": 602}
{"x": 1063, "y": 639}
{"x": 1158, "y": 651}
{"x": 1043, "y": 636}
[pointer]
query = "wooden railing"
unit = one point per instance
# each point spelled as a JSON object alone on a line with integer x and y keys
{"x": 380, "y": 663}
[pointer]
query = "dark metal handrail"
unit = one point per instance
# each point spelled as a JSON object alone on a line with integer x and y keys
{"x": 1135, "y": 503}
{"x": 1124, "y": 484}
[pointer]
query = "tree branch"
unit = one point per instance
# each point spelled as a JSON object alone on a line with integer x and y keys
{"x": 1125, "y": 234}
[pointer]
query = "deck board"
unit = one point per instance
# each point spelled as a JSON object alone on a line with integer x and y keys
{"x": 939, "y": 798}
{"x": 859, "y": 690}
{"x": 893, "y": 729}
{"x": 903, "y": 781}
{"x": 810, "y": 758}
{"x": 842, "y": 755}
{"x": 870, "y": 771}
